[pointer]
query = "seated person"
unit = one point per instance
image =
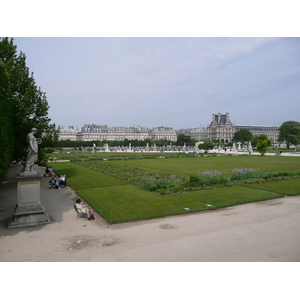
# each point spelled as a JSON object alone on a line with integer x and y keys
{"x": 49, "y": 171}
{"x": 52, "y": 183}
{"x": 81, "y": 208}
{"x": 61, "y": 180}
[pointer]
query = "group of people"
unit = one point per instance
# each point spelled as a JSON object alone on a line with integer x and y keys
{"x": 56, "y": 184}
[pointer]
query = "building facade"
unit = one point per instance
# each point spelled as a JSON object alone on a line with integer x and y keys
{"x": 67, "y": 133}
{"x": 220, "y": 128}
{"x": 163, "y": 133}
{"x": 198, "y": 133}
{"x": 271, "y": 132}
{"x": 92, "y": 132}
{"x": 104, "y": 133}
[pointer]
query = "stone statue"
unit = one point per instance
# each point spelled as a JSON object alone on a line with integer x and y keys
{"x": 32, "y": 153}
{"x": 250, "y": 148}
{"x": 197, "y": 150}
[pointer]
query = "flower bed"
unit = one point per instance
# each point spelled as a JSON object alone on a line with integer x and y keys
{"x": 165, "y": 184}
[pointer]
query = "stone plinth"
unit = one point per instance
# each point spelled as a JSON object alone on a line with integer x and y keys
{"x": 29, "y": 211}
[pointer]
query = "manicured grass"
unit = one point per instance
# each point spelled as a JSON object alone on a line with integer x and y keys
{"x": 129, "y": 203}
{"x": 224, "y": 164}
{"x": 283, "y": 187}
{"x": 119, "y": 201}
{"x": 81, "y": 178}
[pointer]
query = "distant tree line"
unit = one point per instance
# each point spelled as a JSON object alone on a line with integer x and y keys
{"x": 22, "y": 106}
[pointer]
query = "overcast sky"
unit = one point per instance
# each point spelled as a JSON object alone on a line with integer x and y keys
{"x": 176, "y": 82}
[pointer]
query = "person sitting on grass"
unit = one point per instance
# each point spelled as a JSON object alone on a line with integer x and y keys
{"x": 81, "y": 208}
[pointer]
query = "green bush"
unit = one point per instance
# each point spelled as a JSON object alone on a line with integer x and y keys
{"x": 194, "y": 179}
{"x": 152, "y": 188}
{"x": 247, "y": 175}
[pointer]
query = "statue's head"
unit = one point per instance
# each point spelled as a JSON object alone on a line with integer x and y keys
{"x": 34, "y": 130}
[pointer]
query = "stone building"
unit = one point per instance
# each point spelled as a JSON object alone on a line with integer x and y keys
{"x": 104, "y": 133}
{"x": 271, "y": 132}
{"x": 221, "y": 128}
{"x": 92, "y": 132}
{"x": 159, "y": 133}
{"x": 198, "y": 133}
{"x": 67, "y": 133}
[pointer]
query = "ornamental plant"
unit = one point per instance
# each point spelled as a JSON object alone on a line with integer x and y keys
{"x": 211, "y": 173}
{"x": 240, "y": 174}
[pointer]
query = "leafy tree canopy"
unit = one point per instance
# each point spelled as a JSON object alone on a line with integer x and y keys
{"x": 206, "y": 145}
{"x": 29, "y": 104}
{"x": 262, "y": 145}
{"x": 259, "y": 137}
{"x": 6, "y": 128}
{"x": 243, "y": 135}
{"x": 183, "y": 139}
{"x": 289, "y": 132}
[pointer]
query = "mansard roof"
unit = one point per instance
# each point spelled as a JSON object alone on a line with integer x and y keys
{"x": 219, "y": 119}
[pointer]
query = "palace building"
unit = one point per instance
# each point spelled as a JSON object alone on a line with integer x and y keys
{"x": 92, "y": 132}
{"x": 220, "y": 128}
{"x": 67, "y": 133}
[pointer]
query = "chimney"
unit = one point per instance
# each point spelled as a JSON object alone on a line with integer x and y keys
{"x": 227, "y": 119}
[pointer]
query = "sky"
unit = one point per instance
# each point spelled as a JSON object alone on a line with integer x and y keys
{"x": 166, "y": 81}
{"x": 161, "y": 63}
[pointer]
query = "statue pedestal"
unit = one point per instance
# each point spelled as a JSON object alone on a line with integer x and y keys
{"x": 29, "y": 211}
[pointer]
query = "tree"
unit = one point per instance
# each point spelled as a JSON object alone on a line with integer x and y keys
{"x": 30, "y": 106}
{"x": 242, "y": 135}
{"x": 259, "y": 137}
{"x": 182, "y": 138}
{"x": 206, "y": 145}
{"x": 6, "y": 129}
{"x": 262, "y": 145}
{"x": 162, "y": 142}
{"x": 289, "y": 132}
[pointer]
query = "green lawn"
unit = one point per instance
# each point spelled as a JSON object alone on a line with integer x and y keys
{"x": 81, "y": 178}
{"x": 129, "y": 203}
{"x": 284, "y": 187}
{"x": 118, "y": 201}
{"x": 225, "y": 164}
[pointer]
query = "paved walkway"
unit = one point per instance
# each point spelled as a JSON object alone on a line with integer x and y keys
{"x": 264, "y": 231}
